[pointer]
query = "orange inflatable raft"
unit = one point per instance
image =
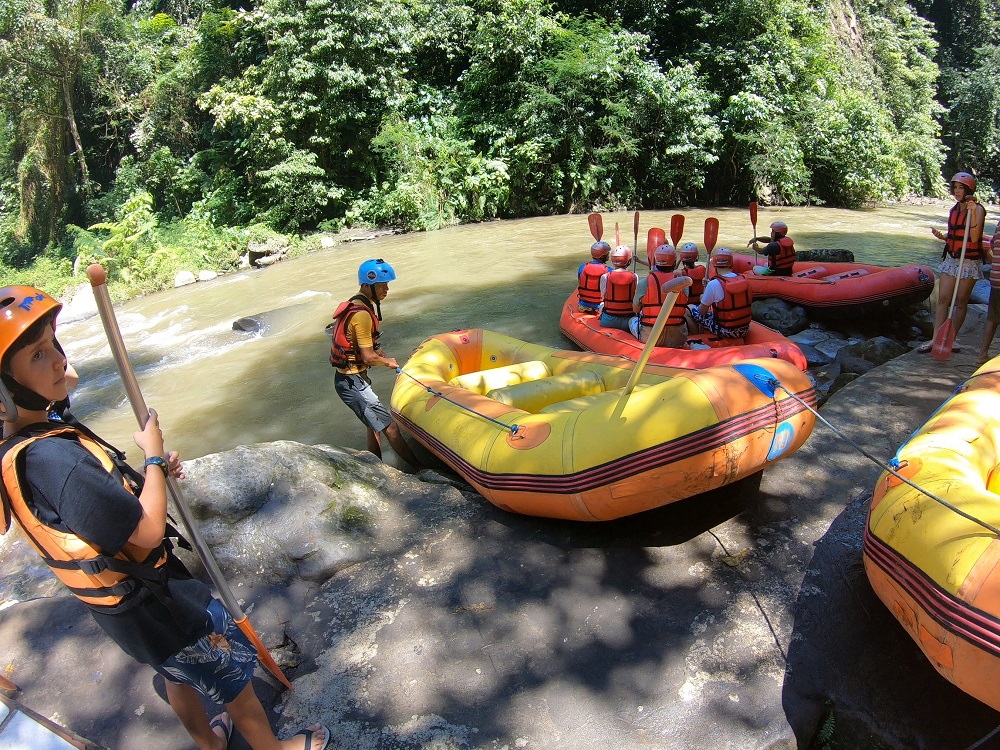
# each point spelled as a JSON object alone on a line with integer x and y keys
{"x": 841, "y": 290}
{"x": 938, "y": 571}
{"x": 552, "y": 433}
{"x": 586, "y": 331}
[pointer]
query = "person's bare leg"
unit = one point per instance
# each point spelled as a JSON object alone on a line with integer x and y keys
{"x": 962, "y": 302}
{"x": 400, "y": 446}
{"x": 984, "y": 348}
{"x": 187, "y": 704}
{"x": 373, "y": 444}
{"x": 251, "y": 721}
{"x": 946, "y": 287}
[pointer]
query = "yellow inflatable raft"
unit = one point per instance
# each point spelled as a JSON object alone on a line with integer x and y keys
{"x": 934, "y": 568}
{"x": 548, "y": 433}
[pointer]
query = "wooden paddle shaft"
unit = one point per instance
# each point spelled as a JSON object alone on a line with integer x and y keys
{"x": 672, "y": 289}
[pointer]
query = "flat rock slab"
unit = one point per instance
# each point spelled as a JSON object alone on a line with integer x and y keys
{"x": 738, "y": 619}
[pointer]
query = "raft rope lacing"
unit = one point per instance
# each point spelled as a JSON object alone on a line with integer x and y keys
{"x": 512, "y": 427}
{"x": 890, "y": 468}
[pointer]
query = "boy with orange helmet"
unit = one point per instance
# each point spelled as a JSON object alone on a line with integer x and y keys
{"x": 617, "y": 290}
{"x": 102, "y": 528}
{"x": 588, "y": 278}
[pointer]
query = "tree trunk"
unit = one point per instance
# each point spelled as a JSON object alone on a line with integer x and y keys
{"x": 67, "y": 92}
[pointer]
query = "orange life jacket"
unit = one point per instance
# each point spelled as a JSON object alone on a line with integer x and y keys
{"x": 652, "y": 300}
{"x": 343, "y": 354}
{"x": 956, "y": 233}
{"x": 589, "y": 284}
{"x": 618, "y": 293}
{"x": 697, "y": 275}
{"x": 97, "y": 579}
{"x": 734, "y": 309}
{"x": 785, "y": 259}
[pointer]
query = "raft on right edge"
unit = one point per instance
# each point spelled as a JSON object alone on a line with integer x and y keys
{"x": 937, "y": 571}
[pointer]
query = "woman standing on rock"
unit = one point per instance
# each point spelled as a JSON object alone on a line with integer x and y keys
{"x": 963, "y": 185}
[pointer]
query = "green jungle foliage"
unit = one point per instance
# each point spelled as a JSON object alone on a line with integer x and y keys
{"x": 169, "y": 133}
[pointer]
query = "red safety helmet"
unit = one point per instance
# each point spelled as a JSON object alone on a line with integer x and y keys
{"x": 621, "y": 256}
{"x": 722, "y": 258}
{"x": 689, "y": 251}
{"x": 780, "y": 227}
{"x": 665, "y": 255}
{"x": 600, "y": 251}
{"x": 966, "y": 179}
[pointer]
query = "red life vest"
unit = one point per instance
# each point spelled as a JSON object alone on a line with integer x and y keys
{"x": 589, "y": 284}
{"x": 99, "y": 580}
{"x": 343, "y": 354}
{"x": 652, "y": 300}
{"x": 785, "y": 259}
{"x": 956, "y": 233}
{"x": 734, "y": 310}
{"x": 618, "y": 293}
{"x": 697, "y": 275}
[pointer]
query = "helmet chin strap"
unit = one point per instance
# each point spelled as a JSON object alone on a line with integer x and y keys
{"x": 23, "y": 396}
{"x": 374, "y": 298}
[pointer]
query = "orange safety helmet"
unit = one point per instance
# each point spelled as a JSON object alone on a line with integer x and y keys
{"x": 20, "y": 308}
{"x": 621, "y": 256}
{"x": 780, "y": 227}
{"x": 665, "y": 255}
{"x": 722, "y": 258}
{"x": 689, "y": 251}
{"x": 600, "y": 250}
{"x": 964, "y": 178}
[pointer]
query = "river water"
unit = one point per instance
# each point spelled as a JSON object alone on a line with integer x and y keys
{"x": 216, "y": 388}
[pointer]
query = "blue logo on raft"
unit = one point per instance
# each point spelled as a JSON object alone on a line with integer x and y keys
{"x": 783, "y": 438}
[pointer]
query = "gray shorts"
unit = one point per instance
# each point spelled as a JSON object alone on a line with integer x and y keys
{"x": 356, "y": 391}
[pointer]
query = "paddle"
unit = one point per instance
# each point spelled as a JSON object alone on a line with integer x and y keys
{"x": 654, "y": 238}
{"x": 635, "y": 240}
{"x": 672, "y": 289}
{"x": 596, "y": 226}
{"x": 944, "y": 338}
{"x": 618, "y": 236}
{"x": 98, "y": 280}
{"x": 711, "y": 234}
{"x": 676, "y": 229}
{"x": 753, "y": 223}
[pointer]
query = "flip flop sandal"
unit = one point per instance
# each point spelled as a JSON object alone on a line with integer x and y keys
{"x": 956, "y": 347}
{"x": 924, "y": 348}
{"x": 227, "y": 729}
{"x": 308, "y": 734}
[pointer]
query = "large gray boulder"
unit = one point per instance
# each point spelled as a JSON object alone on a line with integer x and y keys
{"x": 825, "y": 255}
{"x": 786, "y": 319}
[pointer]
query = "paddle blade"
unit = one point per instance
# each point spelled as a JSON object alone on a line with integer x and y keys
{"x": 618, "y": 235}
{"x": 943, "y": 341}
{"x": 654, "y": 238}
{"x": 263, "y": 654}
{"x": 635, "y": 227}
{"x": 596, "y": 226}
{"x": 753, "y": 217}
{"x": 711, "y": 234}
{"x": 676, "y": 229}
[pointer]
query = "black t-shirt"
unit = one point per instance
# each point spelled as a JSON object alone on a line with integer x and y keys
{"x": 772, "y": 250}
{"x": 68, "y": 489}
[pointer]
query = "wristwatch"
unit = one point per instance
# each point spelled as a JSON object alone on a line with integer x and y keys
{"x": 157, "y": 461}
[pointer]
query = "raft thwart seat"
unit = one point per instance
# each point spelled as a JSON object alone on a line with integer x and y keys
{"x": 534, "y": 395}
{"x": 484, "y": 381}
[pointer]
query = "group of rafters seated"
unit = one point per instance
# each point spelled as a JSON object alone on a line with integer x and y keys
{"x": 719, "y": 305}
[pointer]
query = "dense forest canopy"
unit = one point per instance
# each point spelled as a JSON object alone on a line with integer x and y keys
{"x": 134, "y": 134}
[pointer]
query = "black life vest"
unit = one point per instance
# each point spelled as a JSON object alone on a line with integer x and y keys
{"x": 343, "y": 354}
{"x": 956, "y": 233}
{"x": 100, "y": 581}
{"x": 652, "y": 300}
{"x": 734, "y": 310}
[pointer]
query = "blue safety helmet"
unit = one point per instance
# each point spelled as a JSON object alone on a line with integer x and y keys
{"x": 375, "y": 271}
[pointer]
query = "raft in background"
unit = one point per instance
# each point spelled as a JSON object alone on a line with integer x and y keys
{"x": 935, "y": 570}
{"x": 545, "y": 432}
{"x": 841, "y": 290}
{"x": 586, "y": 331}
